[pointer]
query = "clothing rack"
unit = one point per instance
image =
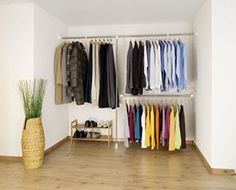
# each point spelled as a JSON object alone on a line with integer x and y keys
{"x": 117, "y": 37}
{"x": 174, "y": 95}
{"x": 127, "y": 36}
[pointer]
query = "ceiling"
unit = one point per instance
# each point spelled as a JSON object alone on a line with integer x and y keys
{"x": 102, "y": 12}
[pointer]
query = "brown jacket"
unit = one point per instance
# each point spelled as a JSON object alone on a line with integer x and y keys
{"x": 58, "y": 74}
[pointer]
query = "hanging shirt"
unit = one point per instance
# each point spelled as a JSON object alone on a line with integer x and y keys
{"x": 126, "y": 127}
{"x": 137, "y": 130}
{"x": 152, "y": 124}
{"x": 148, "y": 128}
{"x": 131, "y": 123}
{"x": 143, "y": 124}
{"x": 129, "y": 70}
{"x": 169, "y": 65}
{"x": 166, "y": 66}
{"x": 97, "y": 70}
{"x": 162, "y": 138}
{"x": 158, "y": 66}
{"x": 142, "y": 81}
{"x": 162, "y": 64}
{"x": 177, "y": 64}
{"x": 93, "y": 87}
{"x": 157, "y": 126}
{"x": 173, "y": 67}
{"x": 183, "y": 67}
{"x": 177, "y": 130}
{"x": 167, "y": 124}
{"x": 172, "y": 130}
{"x": 152, "y": 70}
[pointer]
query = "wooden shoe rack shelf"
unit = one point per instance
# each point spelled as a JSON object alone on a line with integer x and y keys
{"x": 105, "y": 138}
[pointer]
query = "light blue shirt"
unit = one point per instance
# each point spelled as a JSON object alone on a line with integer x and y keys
{"x": 162, "y": 47}
{"x": 181, "y": 69}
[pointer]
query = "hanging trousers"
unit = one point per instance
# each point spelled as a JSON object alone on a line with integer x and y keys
{"x": 89, "y": 77}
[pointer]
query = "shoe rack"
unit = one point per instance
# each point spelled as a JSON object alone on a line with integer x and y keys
{"x": 103, "y": 138}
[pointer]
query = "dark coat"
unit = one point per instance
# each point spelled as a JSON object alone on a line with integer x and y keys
{"x": 78, "y": 69}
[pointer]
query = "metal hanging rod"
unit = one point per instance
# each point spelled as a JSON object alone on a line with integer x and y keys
{"x": 127, "y": 36}
{"x": 158, "y": 95}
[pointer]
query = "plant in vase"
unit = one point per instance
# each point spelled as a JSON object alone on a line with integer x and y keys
{"x": 33, "y": 142}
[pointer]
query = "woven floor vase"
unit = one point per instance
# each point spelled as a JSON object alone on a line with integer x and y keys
{"x": 33, "y": 143}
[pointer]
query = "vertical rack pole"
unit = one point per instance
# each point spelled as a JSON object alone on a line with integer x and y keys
{"x": 116, "y": 146}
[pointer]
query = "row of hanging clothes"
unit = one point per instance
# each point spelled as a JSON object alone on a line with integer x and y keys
{"x": 155, "y": 125}
{"x": 86, "y": 78}
{"x": 156, "y": 65}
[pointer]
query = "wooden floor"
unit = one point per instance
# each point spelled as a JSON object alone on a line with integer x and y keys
{"x": 91, "y": 165}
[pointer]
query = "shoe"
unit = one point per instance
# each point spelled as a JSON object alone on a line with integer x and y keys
{"x": 76, "y": 134}
{"x": 89, "y": 135}
{"x": 83, "y": 134}
{"x": 87, "y": 123}
{"x": 96, "y": 135}
{"x": 93, "y": 124}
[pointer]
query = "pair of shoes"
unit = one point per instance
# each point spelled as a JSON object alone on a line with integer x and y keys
{"x": 96, "y": 135}
{"x": 104, "y": 124}
{"x": 76, "y": 134}
{"x": 90, "y": 123}
{"x": 83, "y": 134}
{"x": 80, "y": 134}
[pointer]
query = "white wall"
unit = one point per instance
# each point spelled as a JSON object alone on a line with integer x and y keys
{"x": 46, "y": 31}
{"x": 28, "y": 39}
{"x": 16, "y": 62}
{"x": 203, "y": 69}
{"x": 215, "y": 49}
{"x": 223, "y": 80}
{"x": 85, "y": 112}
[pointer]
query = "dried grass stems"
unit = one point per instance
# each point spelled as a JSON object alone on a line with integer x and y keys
{"x": 32, "y": 94}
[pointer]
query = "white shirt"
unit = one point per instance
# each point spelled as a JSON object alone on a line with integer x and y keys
{"x": 93, "y": 88}
{"x": 145, "y": 65}
{"x": 158, "y": 66}
{"x": 152, "y": 66}
{"x": 143, "y": 119}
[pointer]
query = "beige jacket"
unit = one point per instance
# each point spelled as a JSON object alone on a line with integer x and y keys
{"x": 58, "y": 74}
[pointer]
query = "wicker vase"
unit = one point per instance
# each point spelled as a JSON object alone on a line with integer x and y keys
{"x": 33, "y": 143}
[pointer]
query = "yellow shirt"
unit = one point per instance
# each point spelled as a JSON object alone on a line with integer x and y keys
{"x": 152, "y": 126}
{"x": 148, "y": 127}
{"x": 172, "y": 130}
{"x": 157, "y": 126}
{"x": 177, "y": 130}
